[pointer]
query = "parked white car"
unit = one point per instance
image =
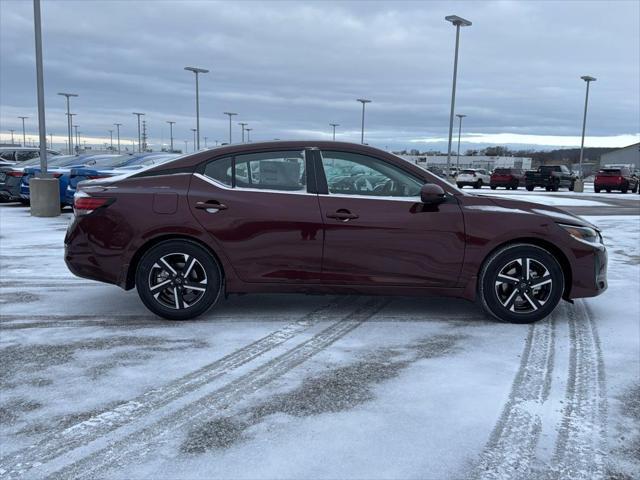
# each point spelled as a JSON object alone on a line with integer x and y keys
{"x": 475, "y": 178}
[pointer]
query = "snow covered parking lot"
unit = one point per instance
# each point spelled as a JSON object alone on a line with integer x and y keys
{"x": 291, "y": 386}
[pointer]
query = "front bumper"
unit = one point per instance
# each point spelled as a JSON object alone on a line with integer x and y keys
{"x": 589, "y": 276}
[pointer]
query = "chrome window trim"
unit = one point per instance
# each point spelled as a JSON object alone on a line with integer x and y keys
{"x": 242, "y": 189}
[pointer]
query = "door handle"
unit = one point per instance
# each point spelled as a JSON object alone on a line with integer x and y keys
{"x": 211, "y": 206}
{"x": 343, "y": 215}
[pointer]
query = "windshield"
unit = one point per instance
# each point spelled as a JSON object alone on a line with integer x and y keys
{"x": 469, "y": 171}
{"x": 614, "y": 171}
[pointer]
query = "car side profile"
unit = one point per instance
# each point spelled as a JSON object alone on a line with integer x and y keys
{"x": 324, "y": 217}
{"x": 509, "y": 178}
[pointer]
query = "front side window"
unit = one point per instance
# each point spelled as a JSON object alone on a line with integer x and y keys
{"x": 355, "y": 174}
{"x": 284, "y": 171}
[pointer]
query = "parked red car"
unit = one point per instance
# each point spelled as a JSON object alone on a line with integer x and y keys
{"x": 324, "y": 217}
{"x": 507, "y": 178}
{"x": 615, "y": 179}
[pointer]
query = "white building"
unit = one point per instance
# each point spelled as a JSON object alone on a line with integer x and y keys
{"x": 476, "y": 161}
{"x": 627, "y": 156}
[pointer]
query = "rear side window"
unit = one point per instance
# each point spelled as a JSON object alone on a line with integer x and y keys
{"x": 283, "y": 171}
{"x": 7, "y": 156}
{"x": 22, "y": 156}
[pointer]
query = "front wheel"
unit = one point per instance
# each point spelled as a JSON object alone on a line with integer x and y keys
{"x": 178, "y": 280}
{"x": 529, "y": 188}
{"x": 521, "y": 283}
{"x": 493, "y": 187}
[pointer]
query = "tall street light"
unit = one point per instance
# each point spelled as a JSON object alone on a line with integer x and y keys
{"x": 138, "y": 114}
{"x": 186, "y": 146}
{"x": 364, "y": 101}
{"x": 334, "y": 125}
{"x": 171, "y": 123}
{"x": 205, "y": 142}
{"x": 67, "y": 95}
{"x": 77, "y": 146}
{"x": 12, "y": 135}
{"x": 118, "y": 125}
{"x": 243, "y": 124}
{"x": 460, "y": 116}
{"x": 579, "y": 185}
{"x": 195, "y": 148}
{"x": 248, "y": 134}
{"x": 231, "y": 114}
{"x": 458, "y": 22}
{"x": 197, "y": 71}
{"x": 111, "y": 136}
{"x": 24, "y": 135}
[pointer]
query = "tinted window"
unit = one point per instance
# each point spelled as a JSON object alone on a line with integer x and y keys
{"x": 564, "y": 169}
{"x": 271, "y": 171}
{"x": 219, "y": 170}
{"x": 502, "y": 171}
{"x": 355, "y": 174}
{"x": 8, "y": 155}
{"x": 22, "y": 156}
{"x": 468, "y": 172}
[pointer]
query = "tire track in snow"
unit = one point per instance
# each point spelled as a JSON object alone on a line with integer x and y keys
{"x": 136, "y": 446}
{"x": 57, "y": 443}
{"x": 580, "y": 452}
{"x": 512, "y": 444}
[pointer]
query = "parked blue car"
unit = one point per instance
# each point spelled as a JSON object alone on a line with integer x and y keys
{"x": 60, "y": 166}
{"x": 117, "y": 166}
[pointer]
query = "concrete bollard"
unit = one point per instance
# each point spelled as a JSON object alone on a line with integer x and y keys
{"x": 45, "y": 197}
{"x": 578, "y": 186}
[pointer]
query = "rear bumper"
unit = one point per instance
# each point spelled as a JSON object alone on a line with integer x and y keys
{"x": 504, "y": 183}
{"x": 612, "y": 185}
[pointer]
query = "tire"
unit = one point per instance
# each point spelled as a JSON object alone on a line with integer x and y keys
{"x": 478, "y": 184}
{"x": 625, "y": 188}
{"x": 555, "y": 187}
{"x": 608, "y": 190}
{"x": 572, "y": 186}
{"x": 529, "y": 188}
{"x": 595, "y": 189}
{"x": 503, "y": 300}
{"x": 460, "y": 186}
{"x": 203, "y": 273}
{"x": 493, "y": 187}
{"x": 635, "y": 188}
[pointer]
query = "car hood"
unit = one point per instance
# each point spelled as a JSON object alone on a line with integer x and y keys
{"x": 527, "y": 208}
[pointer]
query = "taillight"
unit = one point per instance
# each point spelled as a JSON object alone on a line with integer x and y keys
{"x": 83, "y": 204}
{"x": 56, "y": 175}
{"x": 94, "y": 177}
{"x": 15, "y": 174}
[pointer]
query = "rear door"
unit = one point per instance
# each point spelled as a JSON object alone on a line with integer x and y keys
{"x": 260, "y": 212}
{"x": 377, "y": 232}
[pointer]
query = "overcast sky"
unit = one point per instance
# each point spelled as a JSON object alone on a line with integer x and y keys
{"x": 290, "y": 68}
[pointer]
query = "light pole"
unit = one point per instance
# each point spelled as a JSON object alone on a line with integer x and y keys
{"x": 364, "y": 101}
{"x": 118, "y": 125}
{"x": 12, "y": 135}
{"x": 111, "y": 135}
{"x": 205, "y": 142}
{"x": 460, "y": 116}
{"x": 186, "y": 146}
{"x": 248, "y": 134}
{"x": 77, "y": 145}
{"x": 195, "y": 148}
{"x": 171, "y": 123}
{"x": 334, "y": 125}
{"x": 138, "y": 114}
{"x": 458, "y": 22}
{"x": 24, "y": 135}
{"x": 579, "y": 184}
{"x": 197, "y": 71}
{"x": 243, "y": 124}
{"x": 51, "y": 140}
{"x": 67, "y": 95}
{"x": 231, "y": 114}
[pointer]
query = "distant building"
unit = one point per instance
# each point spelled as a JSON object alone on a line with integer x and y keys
{"x": 466, "y": 161}
{"x": 628, "y": 156}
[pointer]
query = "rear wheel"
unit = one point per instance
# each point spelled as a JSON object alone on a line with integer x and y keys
{"x": 493, "y": 187}
{"x": 596, "y": 189}
{"x": 529, "y": 188}
{"x": 478, "y": 184}
{"x": 625, "y": 188}
{"x": 635, "y": 188}
{"x": 521, "y": 283}
{"x": 178, "y": 280}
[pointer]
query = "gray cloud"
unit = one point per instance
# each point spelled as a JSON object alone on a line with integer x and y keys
{"x": 290, "y": 68}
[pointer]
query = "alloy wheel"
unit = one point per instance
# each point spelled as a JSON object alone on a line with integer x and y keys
{"x": 523, "y": 285}
{"x": 177, "y": 281}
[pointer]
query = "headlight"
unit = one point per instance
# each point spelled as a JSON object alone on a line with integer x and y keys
{"x": 586, "y": 234}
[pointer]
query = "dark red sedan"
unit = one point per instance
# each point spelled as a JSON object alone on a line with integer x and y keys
{"x": 324, "y": 217}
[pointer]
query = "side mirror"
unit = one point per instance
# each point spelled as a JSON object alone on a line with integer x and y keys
{"x": 432, "y": 194}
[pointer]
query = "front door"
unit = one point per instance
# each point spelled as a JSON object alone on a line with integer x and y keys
{"x": 377, "y": 232}
{"x": 258, "y": 211}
